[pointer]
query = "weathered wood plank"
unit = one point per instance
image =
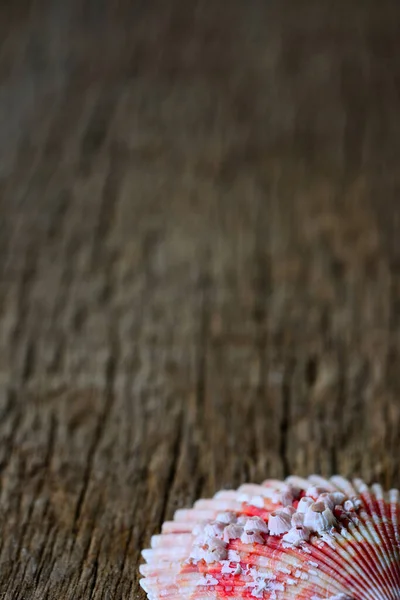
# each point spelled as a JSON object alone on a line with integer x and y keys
{"x": 199, "y": 267}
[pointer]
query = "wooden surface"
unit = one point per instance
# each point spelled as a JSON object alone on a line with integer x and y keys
{"x": 200, "y": 258}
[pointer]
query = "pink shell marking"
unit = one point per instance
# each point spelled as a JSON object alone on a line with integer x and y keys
{"x": 309, "y": 539}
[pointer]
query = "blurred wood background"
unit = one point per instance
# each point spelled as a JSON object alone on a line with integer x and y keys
{"x": 199, "y": 266}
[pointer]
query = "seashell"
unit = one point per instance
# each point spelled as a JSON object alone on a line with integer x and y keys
{"x": 226, "y": 517}
{"x": 251, "y": 537}
{"x": 289, "y": 510}
{"x": 215, "y": 529}
{"x": 296, "y": 535}
{"x": 287, "y": 498}
{"x": 319, "y": 518}
{"x": 233, "y": 531}
{"x": 332, "y": 499}
{"x": 279, "y": 522}
{"x": 297, "y": 519}
{"x": 256, "y": 524}
{"x": 336, "y": 539}
{"x": 304, "y": 504}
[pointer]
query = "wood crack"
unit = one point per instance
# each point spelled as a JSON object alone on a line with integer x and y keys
{"x": 174, "y": 460}
{"x": 284, "y": 425}
{"x": 110, "y": 372}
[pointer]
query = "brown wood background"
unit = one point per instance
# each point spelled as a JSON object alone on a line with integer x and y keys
{"x": 199, "y": 258}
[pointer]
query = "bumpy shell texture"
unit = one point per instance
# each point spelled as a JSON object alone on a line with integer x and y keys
{"x": 299, "y": 538}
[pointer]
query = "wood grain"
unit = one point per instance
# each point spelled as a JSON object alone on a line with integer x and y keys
{"x": 199, "y": 260}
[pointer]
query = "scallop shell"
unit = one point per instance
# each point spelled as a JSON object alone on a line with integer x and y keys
{"x": 299, "y": 538}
